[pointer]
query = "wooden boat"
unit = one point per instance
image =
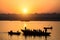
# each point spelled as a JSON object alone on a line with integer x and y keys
{"x": 27, "y": 32}
{"x": 14, "y": 33}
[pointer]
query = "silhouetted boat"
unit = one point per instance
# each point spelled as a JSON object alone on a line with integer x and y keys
{"x": 28, "y": 32}
{"x": 14, "y": 33}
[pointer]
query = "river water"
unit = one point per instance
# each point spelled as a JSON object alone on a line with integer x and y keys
{"x": 6, "y": 26}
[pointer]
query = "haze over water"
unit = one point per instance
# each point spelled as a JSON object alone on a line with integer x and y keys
{"x": 6, "y": 26}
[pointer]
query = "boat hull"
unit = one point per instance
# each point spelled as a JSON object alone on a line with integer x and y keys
{"x": 14, "y": 33}
{"x": 32, "y": 33}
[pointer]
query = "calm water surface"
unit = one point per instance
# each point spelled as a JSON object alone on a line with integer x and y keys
{"x": 6, "y": 26}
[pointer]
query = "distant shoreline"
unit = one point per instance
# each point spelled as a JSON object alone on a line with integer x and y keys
{"x": 31, "y": 17}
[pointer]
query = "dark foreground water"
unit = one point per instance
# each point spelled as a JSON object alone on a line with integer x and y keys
{"x": 55, "y": 32}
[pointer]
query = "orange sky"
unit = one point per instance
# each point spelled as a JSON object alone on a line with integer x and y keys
{"x": 33, "y": 6}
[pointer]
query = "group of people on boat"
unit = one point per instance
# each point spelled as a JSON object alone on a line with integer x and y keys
{"x": 32, "y": 32}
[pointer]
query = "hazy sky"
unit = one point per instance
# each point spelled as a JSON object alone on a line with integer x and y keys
{"x": 32, "y": 6}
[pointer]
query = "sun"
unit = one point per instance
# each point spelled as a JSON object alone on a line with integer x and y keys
{"x": 25, "y": 11}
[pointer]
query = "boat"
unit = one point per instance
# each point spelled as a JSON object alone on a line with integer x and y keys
{"x": 14, "y": 33}
{"x": 28, "y": 32}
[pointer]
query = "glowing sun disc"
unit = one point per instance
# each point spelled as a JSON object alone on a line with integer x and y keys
{"x": 25, "y": 11}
